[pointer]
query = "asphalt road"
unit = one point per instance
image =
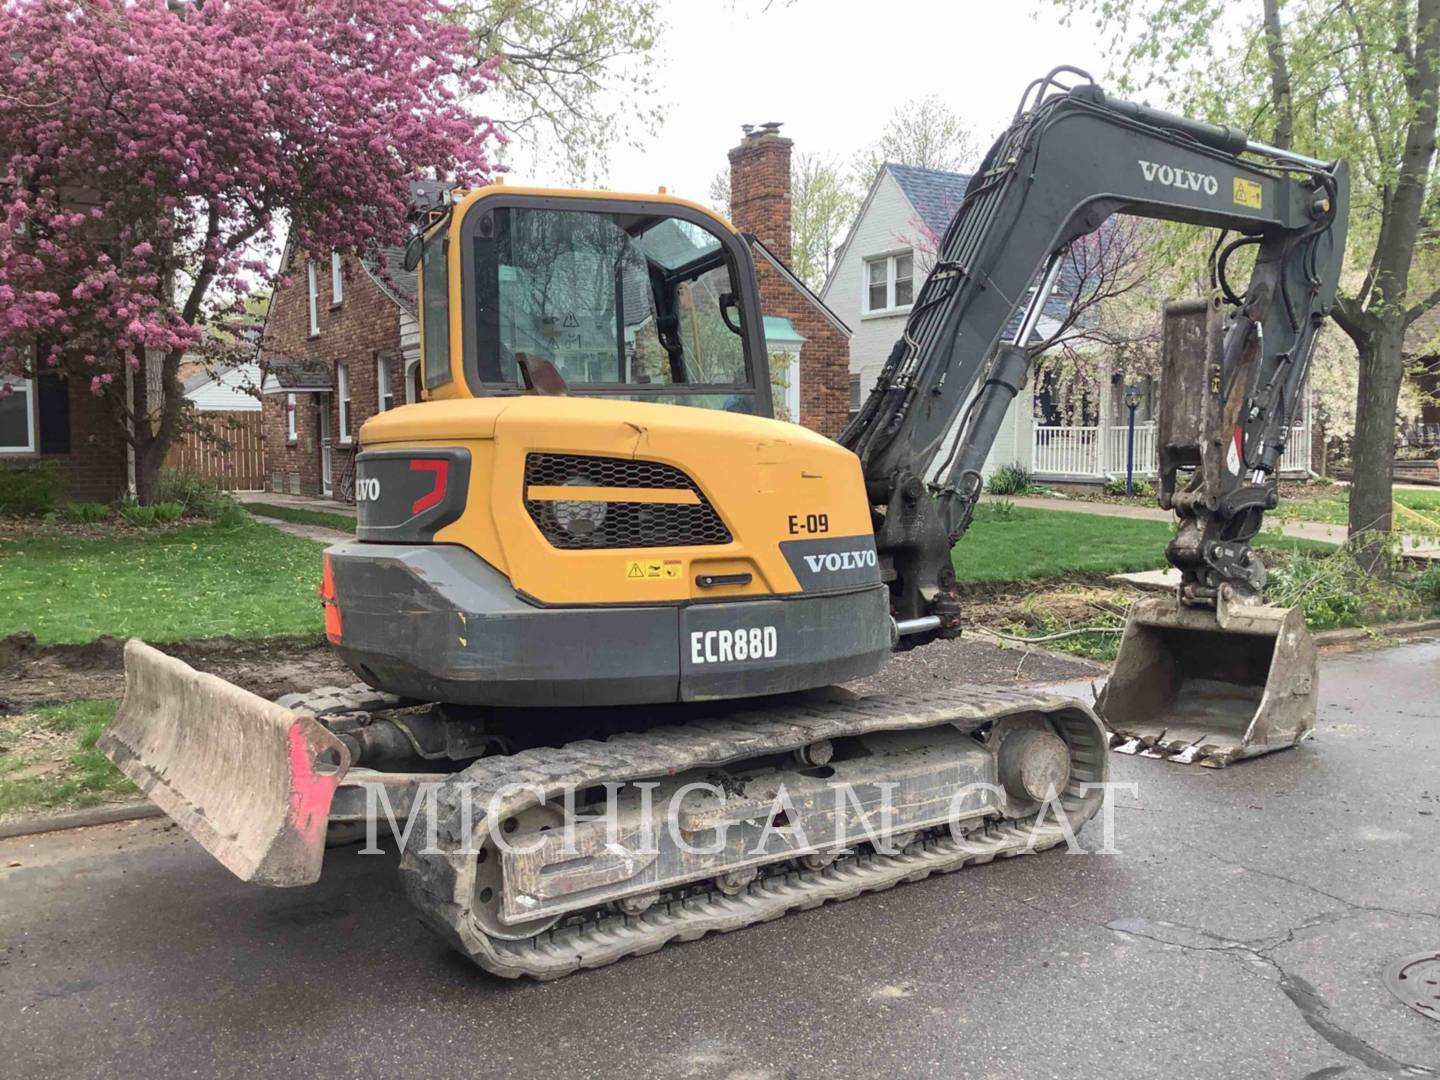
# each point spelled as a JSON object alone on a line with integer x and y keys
{"x": 1242, "y": 932}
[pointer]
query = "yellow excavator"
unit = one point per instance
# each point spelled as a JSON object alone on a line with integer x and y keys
{"x": 604, "y": 598}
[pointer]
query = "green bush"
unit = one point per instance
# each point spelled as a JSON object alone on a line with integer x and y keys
{"x": 1013, "y": 479}
{"x": 233, "y": 516}
{"x": 999, "y": 510}
{"x": 197, "y": 496}
{"x": 81, "y": 513}
{"x": 28, "y": 490}
{"x": 1428, "y": 585}
{"x": 1334, "y": 590}
{"x": 147, "y": 517}
{"x": 1116, "y": 486}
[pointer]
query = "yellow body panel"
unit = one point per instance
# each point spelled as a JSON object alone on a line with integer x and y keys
{"x": 759, "y": 474}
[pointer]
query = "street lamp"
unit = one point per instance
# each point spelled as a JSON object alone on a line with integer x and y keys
{"x": 1132, "y": 402}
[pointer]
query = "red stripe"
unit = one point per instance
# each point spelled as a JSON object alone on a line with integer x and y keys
{"x": 441, "y": 468}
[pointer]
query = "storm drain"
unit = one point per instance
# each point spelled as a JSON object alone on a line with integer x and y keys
{"x": 1415, "y": 980}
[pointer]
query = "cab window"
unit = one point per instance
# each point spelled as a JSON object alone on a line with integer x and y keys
{"x": 639, "y": 306}
{"x": 435, "y": 294}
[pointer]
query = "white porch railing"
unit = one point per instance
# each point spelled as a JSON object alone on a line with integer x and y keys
{"x": 1147, "y": 463}
{"x": 1066, "y": 451}
{"x": 1081, "y": 451}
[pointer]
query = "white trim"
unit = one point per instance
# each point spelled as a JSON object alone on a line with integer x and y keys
{"x": 384, "y": 384}
{"x": 337, "y": 279}
{"x": 789, "y": 275}
{"x": 313, "y": 292}
{"x": 28, "y": 388}
{"x": 292, "y": 428}
{"x": 327, "y": 456}
{"x": 844, "y": 247}
{"x": 342, "y": 398}
{"x": 889, "y": 258}
{"x": 411, "y": 367}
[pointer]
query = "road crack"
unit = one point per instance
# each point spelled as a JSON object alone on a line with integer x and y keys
{"x": 1306, "y": 999}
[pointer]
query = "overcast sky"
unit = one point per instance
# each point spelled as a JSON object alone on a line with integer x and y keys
{"x": 832, "y": 71}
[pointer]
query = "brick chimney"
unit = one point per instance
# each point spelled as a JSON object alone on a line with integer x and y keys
{"x": 760, "y": 187}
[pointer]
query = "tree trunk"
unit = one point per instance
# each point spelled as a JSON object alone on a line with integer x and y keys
{"x": 1373, "y": 447}
{"x": 1280, "y": 96}
{"x": 1378, "y": 329}
{"x": 156, "y": 433}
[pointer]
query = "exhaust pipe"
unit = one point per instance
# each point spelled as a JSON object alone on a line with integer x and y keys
{"x": 1211, "y": 686}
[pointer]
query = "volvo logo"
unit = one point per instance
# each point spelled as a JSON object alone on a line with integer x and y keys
{"x": 367, "y": 489}
{"x": 1183, "y": 179}
{"x": 840, "y": 560}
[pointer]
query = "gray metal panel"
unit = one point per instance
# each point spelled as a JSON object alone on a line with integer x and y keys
{"x": 833, "y": 563}
{"x": 816, "y": 641}
{"x": 436, "y": 622}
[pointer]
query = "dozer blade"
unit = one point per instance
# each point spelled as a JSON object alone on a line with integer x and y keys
{"x": 249, "y": 780}
{"x": 1192, "y": 684}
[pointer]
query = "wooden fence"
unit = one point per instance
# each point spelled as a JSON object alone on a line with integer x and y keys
{"x": 231, "y": 450}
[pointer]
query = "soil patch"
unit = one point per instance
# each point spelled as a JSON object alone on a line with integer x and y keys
{"x": 37, "y": 675}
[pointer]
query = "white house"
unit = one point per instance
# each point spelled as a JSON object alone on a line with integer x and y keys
{"x": 232, "y": 389}
{"x": 876, "y": 276}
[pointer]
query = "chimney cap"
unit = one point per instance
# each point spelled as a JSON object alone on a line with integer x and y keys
{"x": 760, "y": 131}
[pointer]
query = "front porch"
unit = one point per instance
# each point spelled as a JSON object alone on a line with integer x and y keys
{"x": 1094, "y": 449}
{"x": 1098, "y": 452}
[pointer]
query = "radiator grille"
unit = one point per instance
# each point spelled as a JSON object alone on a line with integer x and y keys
{"x": 622, "y": 524}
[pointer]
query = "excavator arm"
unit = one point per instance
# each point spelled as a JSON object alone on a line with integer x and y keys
{"x": 1072, "y": 158}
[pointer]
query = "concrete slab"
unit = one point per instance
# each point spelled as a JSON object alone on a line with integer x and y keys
{"x": 1167, "y": 580}
{"x": 297, "y": 502}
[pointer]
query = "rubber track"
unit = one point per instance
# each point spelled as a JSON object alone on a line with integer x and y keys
{"x": 439, "y": 884}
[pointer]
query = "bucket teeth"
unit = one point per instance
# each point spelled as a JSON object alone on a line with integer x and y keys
{"x": 1209, "y": 687}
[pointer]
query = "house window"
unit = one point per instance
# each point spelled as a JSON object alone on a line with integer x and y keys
{"x": 292, "y": 434}
{"x": 337, "y": 280}
{"x": 342, "y": 387}
{"x": 314, "y": 288}
{"x": 854, "y": 394}
{"x": 384, "y": 385}
{"x": 904, "y": 279}
{"x": 17, "y": 417}
{"x": 890, "y": 282}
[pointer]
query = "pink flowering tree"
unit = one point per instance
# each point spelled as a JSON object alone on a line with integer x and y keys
{"x": 150, "y": 152}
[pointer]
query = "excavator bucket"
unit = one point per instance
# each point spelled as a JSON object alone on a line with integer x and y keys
{"x": 1213, "y": 686}
{"x": 249, "y": 780}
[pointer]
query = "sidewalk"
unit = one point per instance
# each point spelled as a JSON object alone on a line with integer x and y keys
{"x": 1300, "y": 530}
{"x": 297, "y": 502}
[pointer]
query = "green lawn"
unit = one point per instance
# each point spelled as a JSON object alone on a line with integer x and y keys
{"x": 323, "y": 518}
{"x": 1017, "y": 543}
{"x": 199, "y": 582}
{"x": 48, "y": 758}
{"x": 1335, "y": 509}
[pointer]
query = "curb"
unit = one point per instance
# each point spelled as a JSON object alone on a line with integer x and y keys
{"x": 80, "y": 819}
{"x": 1367, "y": 633}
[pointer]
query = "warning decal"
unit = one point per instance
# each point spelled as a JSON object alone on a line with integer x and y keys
{"x": 1236, "y": 453}
{"x": 652, "y": 569}
{"x": 1247, "y": 193}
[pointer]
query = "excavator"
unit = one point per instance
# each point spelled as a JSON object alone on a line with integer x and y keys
{"x": 603, "y": 603}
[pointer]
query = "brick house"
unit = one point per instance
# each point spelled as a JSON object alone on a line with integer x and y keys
{"x": 340, "y": 344}
{"x": 341, "y": 338}
{"x": 56, "y": 419}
